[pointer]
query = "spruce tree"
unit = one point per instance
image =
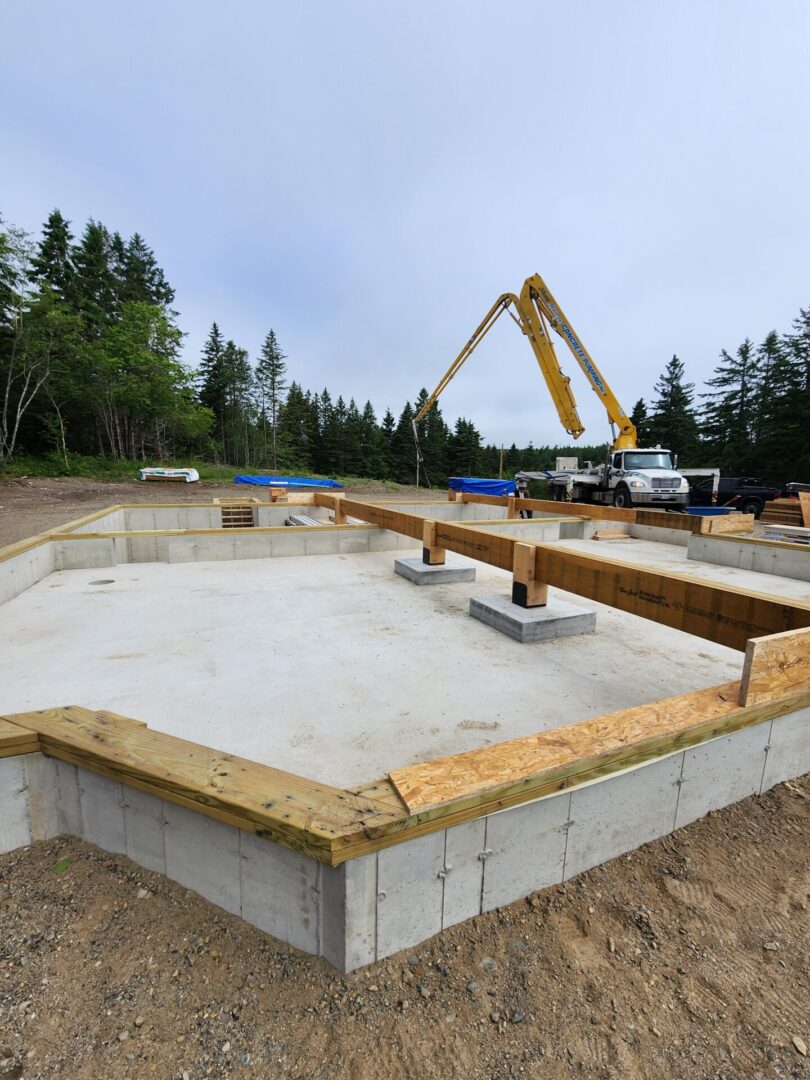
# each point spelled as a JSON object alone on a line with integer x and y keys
{"x": 387, "y": 429}
{"x": 270, "y": 386}
{"x": 465, "y": 449}
{"x": 640, "y": 418}
{"x": 403, "y": 451}
{"x": 53, "y": 262}
{"x": 142, "y": 277}
{"x": 673, "y": 424}
{"x": 728, "y": 419}
{"x": 96, "y": 287}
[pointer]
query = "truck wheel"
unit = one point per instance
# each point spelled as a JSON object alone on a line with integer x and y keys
{"x": 621, "y": 498}
{"x": 751, "y": 506}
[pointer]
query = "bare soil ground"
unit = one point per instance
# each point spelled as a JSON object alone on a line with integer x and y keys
{"x": 689, "y": 958}
{"x": 33, "y": 505}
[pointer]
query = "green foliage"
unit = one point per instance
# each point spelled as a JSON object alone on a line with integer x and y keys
{"x": 673, "y": 423}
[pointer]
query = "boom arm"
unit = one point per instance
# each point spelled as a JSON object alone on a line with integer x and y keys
{"x": 536, "y": 310}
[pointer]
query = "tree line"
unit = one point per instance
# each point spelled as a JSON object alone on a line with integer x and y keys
{"x": 90, "y": 364}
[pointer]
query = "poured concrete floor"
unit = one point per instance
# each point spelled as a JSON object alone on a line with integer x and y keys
{"x": 328, "y": 666}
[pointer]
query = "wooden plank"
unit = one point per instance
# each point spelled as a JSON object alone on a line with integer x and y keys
{"x": 381, "y": 791}
{"x": 661, "y": 519}
{"x": 16, "y": 740}
{"x": 804, "y": 503}
{"x": 775, "y": 665}
{"x": 577, "y": 509}
{"x": 555, "y": 760}
{"x": 727, "y": 523}
{"x": 720, "y": 613}
{"x": 299, "y": 813}
{"x": 383, "y": 516}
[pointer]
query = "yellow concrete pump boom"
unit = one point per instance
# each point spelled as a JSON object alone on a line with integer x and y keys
{"x": 535, "y": 310}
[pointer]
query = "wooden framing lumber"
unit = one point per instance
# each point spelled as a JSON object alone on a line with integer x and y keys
{"x": 774, "y": 666}
{"x": 302, "y": 814}
{"x": 527, "y": 591}
{"x": 433, "y": 554}
{"x": 16, "y": 740}
{"x": 804, "y": 503}
{"x": 551, "y": 761}
{"x": 720, "y": 613}
{"x": 552, "y": 506}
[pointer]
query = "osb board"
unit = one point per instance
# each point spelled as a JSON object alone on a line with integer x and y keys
{"x": 305, "y": 815}
{"x": 727, "y": 523}
{"x": 775, "y": 666}
{"x": 554, "y": 760}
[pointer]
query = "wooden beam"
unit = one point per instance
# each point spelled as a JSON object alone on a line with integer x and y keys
{"x": 302, "y": 814}
{"x": 552, "y": 506}
{"x": 527, "y": 590}
{"x": 720, "y": 613}
{"x": 433, "y": 554}
{"x": 551, "y": 761}
{"x": 775, "y": 666}
{"x": 804, "y": 504}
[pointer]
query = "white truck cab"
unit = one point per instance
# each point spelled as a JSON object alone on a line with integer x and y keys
{"x": 628, "y": 478}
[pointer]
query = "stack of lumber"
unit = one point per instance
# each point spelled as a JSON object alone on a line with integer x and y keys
{"x": 783, "y": 512}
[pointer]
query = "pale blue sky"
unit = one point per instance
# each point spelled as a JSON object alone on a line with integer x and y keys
{"x": 366, "y": 178}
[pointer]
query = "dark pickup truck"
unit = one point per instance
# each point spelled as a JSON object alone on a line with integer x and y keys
{"x": 743, "y": 493}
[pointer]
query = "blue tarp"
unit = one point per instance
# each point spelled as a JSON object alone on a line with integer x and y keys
{"x": 286, "y": 481}
{"x": 476, "y": 486}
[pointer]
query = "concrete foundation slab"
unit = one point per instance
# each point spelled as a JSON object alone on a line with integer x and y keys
{"x": 556, "y": 619}
{"x": 421, "y": 574}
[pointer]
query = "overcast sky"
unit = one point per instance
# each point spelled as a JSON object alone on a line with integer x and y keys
{"x": 366, "y": 178}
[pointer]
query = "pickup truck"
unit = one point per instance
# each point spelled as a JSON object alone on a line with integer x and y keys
{"x": 743, "y": 493}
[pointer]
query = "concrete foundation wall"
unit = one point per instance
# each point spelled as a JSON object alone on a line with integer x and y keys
{"x": 662, "y": 536}
{"x": 171, "y": 517}
{"x": 393, "y": 899}
{"x": 764, "y": 558}
{"x": 24, "y": 570}
{"x": 538, "y": 529}
{"x": 115, "y": 521}
{"x": 225, "y": 545}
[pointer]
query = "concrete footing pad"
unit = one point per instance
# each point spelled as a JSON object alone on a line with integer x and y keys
{"x": 556, "y": 619}
{"x": 422, "y": 574}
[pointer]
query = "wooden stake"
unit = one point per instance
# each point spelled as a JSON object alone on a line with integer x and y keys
{"x": 526, "y": 591}
{"x": 340, "y": 513}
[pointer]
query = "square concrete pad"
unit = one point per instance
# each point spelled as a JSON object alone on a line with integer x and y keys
{"x": 554, "y": 620}
{"x": 422, "y": 574}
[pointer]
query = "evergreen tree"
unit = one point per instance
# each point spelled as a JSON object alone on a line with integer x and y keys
{"x": 237, "y": 423}
{"x": 295, "y": 428}
{"x": 640, "y": 418}
{"x": 96, "y": 286}
{"x": 465, "y": 449}
{"x": 403, "y": 452}
{"x": 270, "y": 386}
{"x": 211, "y": 378}
{"x": 142, "y": 278}
{"x": 387, "y": 430}
{"x": 372, "y": 456}
{"x": 728, "y": 421}
{"x": 433, "y": 436}
{"x": 673, "y": 424}
{"x": 784, "y": 445}
{"x": 53, "y": 263}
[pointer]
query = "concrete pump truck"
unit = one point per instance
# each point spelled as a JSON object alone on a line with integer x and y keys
{"x": 630, "y": 476}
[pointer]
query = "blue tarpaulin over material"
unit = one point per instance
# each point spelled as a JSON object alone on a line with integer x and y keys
{"x": 476, "y": 486}
{"x": 286, "y": 481}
